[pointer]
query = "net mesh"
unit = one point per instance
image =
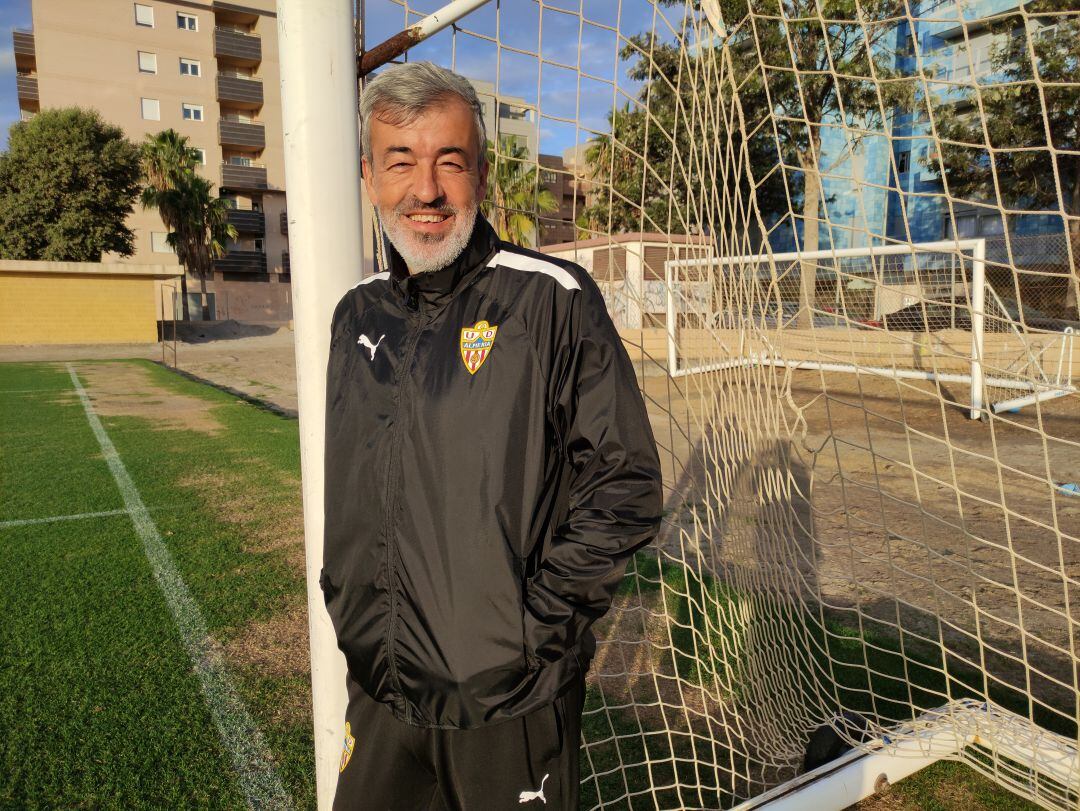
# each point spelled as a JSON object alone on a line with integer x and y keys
{"x": 831, "y": 232}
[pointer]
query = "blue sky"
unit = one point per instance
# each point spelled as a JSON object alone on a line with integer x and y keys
{"x": 559, "y": 92}
{"x": 13, "y": 14}
{"x": 574, "y": 39}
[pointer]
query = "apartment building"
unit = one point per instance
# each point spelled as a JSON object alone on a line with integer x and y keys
{"x": 558, "y": 226}
{"x": 208, "y": 70}
{"x": 507, "y": 116}
{"x": 889, "y": 188}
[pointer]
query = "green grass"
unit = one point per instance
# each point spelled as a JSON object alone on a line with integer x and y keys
{"x": 947, "y": 786}
{"x": 98, "y": 701}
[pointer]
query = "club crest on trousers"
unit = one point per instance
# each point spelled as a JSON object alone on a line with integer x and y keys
{"x": 476, "y": 343}
{"x": 347, "y": 748}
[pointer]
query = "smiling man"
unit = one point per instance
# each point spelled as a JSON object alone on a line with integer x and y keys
{"x": 489, "y": 471}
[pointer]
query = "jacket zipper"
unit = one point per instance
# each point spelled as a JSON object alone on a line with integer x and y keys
{"x": 391, "y": 511}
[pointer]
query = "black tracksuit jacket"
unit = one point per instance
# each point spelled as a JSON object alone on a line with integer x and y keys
{"x": 486, "y": 483}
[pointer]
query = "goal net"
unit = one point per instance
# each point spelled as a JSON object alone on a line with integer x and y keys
{"x": 830, "y": 233}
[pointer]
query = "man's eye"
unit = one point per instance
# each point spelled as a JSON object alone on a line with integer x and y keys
{"x": 456, "y": 167}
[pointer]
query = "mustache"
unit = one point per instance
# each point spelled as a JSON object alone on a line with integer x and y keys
{"x": 439, "y": 206}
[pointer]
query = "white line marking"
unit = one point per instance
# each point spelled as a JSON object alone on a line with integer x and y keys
{"x": 258, "y": 777}
{"x": 22, "y": 522}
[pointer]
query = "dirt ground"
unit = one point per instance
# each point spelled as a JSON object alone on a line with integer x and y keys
{"x": 881, "y": 501}
{"x": 249, "y": 359}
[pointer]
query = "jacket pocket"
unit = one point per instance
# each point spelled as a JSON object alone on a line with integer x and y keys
{"x": 531, "y": 661}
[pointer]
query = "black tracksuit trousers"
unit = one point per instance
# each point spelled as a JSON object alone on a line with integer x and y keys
{"x": 527, "y": 762}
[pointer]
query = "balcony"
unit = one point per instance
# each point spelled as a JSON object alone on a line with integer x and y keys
{"x": 27, "y": 87}
{"x": 247, "y": 221}
{"x": 236, "y": 46}
{"x": 241, "y": 134}
{"x": 239, "y": 90}
{"x": 241, "y": 262}
{"x": 23, "y": 44}
{"x": 243, "y": 176}
{"x": 285, "y": 223}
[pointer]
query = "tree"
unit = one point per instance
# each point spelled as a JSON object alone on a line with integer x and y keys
{"x": 514, "y": 195}
{"x": 649, "y": 160}
{"x": 993, "y": 140}
{"x": 794, "y": 66}
{"x": 197, "y": 221}
{"x": 167, "y": 161}
{"x": 68, "y": 182}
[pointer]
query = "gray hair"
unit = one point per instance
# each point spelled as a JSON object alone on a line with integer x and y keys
{"x": 402, "y": 93}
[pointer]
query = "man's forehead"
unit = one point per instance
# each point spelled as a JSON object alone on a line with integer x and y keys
{"x": 444, "y": 125}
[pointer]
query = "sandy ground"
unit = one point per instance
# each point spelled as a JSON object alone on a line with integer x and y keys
{"x": 884, "y": 505}
{"x": 248, "y": 359}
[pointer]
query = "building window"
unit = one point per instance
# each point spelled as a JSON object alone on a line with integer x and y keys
{"x": 190, "y": 67}
{"x": 258, "y": 244}
{"x": 159, "y": 243}
{"x": 193, "y": 112}
{"x": 189, "y": 22}
{"x": 548, "y": 177}
{"x": 200, "y": 153}
{"x": 965, "y": 225}
{"x": 147, "y": 62}
{"x": 144, "y": 15}
{"x": 151, "y": 110}
{"x": 903, "y": 162}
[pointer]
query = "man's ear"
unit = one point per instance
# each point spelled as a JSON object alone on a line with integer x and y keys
{"x": 369, "y": 181}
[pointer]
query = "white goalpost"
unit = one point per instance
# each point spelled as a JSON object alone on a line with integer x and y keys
{"x": 322, "y": 163}
{"x": 948, "y": 275}
{"x": 852, "y": 304}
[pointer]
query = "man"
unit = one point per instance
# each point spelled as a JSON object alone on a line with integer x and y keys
{"x": 489, "y": 471}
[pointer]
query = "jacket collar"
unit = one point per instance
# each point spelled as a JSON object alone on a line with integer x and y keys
{"x": 435, "y": 289}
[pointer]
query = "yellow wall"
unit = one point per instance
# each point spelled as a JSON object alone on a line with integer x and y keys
{"x": 63, "y": 308}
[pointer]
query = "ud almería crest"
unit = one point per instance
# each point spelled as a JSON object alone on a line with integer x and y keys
{"x": 348, "y": 747}
{"x": 476, "y": 343}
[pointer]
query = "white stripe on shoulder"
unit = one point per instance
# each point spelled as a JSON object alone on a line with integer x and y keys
{"x": 531, "y": 264}
{"x": 375, "y": 277}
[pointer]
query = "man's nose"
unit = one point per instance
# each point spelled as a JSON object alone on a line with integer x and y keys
{"x": 426, "y": 186}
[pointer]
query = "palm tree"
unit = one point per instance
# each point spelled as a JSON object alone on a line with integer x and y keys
{"x": 167, "y": 158}
{"x": 202, "y": 230}
{"x": 514, "y": 195}
{"x": 197, "y": 221}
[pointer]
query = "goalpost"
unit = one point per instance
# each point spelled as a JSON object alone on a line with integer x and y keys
{"x": 897, "y": 295}
{"x": 850, "y": 571}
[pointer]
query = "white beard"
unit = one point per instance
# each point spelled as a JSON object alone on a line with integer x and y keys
{"x": 427, "y": 253}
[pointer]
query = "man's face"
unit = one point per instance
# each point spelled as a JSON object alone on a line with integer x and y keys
{"x": 424, "y": 179}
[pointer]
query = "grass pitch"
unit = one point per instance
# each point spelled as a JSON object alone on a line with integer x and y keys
{"x": 99, "y": 701}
